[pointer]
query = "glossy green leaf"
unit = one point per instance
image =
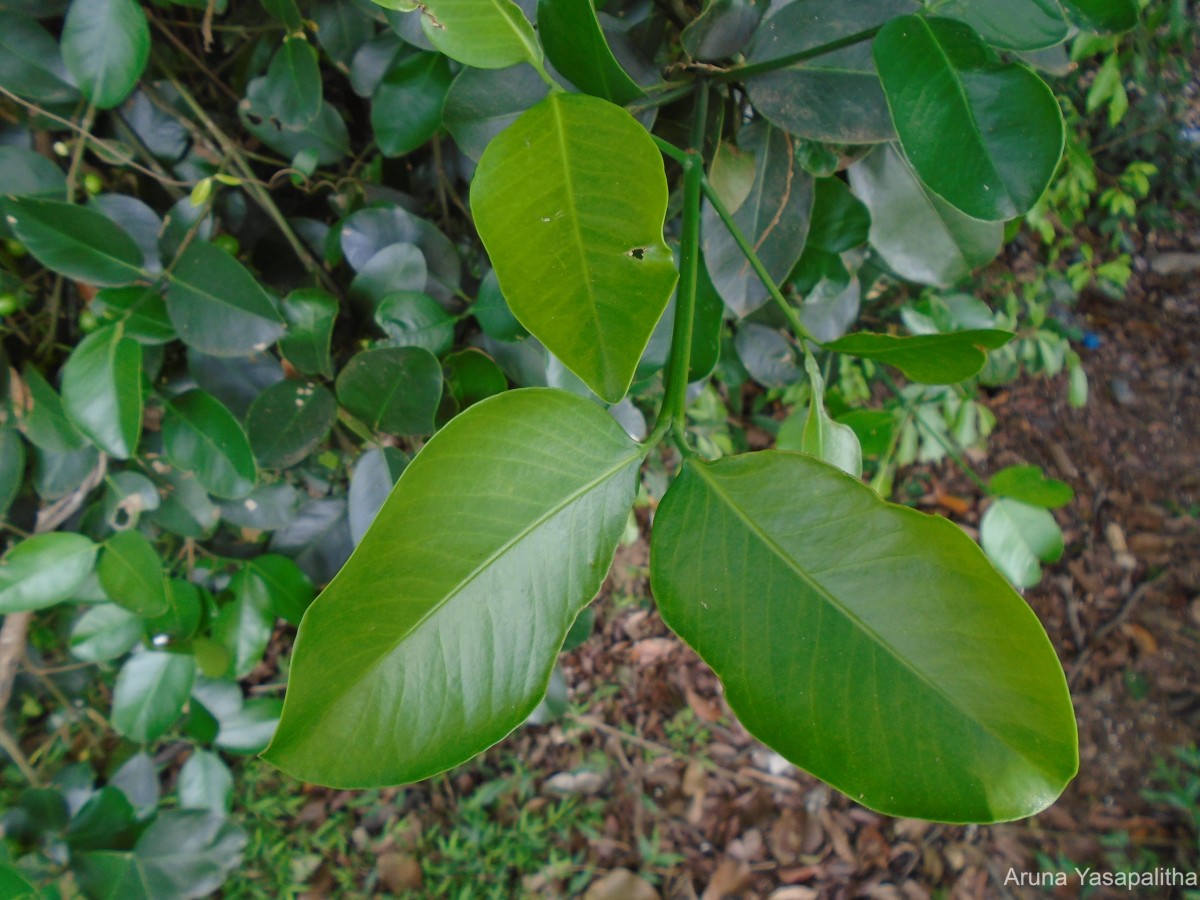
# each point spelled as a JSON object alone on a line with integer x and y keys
{"x": 835, "y": 97}
{"x": 481, "y": 103}
{"x": 984, "y": 135}
{"x": 30, "y": 62}
{"x": 244, "y": 624}
{"x": 217, "y": 306}
{"x": 492, "y": 312}
{"x": 205, "y": 782}
{"x": 44, "y": 570}
{"x": 288, "y": 420}
{"x": 310, "y": 314}
{"x": 927, "y": 358}
{"x": 106, "y": 45}
{"x": 722, "y": 29}
{"x": 24, "y": 173}
{"x": 12, "y": 467}
{"x": 102, "y": 390}
{"x": 151, "y": 690}
{"x": 439, "y": 635}
{"x": 406, "y": 109}
{"x": 824, "y": 438}
{"x": 397, "y": 267}
{"x": 412, "y": 319}
{"x": 774, "y": 216}
{"x": 142, "y": 312}
{"x": 74, "y": 241}
{"x": 185, "y": 611}
{"x": 1017, "y": 537}
{"x": 105, "y": 631}
{"x": 484, "y": 34}
{"x": 767, "y": 355}
{"x": 14, "y": 885}
{"x": 570, "y": 202}
{"x": 201, "y": 436}
{"x": 1015, "y": 25}
{"x": 898, "y": 665}
{"x": 186, "y": 509}
{"x": 41, "y": 416}
{"x": 375, "y": 474}
{"x": 289, "y": 588}
{"x": 576, "y": 45}
{"x": 919, "y": 235}
{"x": 106, "y": 821}
{"x": 1030, "y": 485}
{"x": 471, "y": 376}
{"x": 293, "y": 87}
{"x": 325, "y": 139}
{"x": 266, "y": 508}
{"x": 131, "y": 573}
{"x": 392, "y": 389}
{"x": 248, "y": 730}
{"x": 1105, "y": 16}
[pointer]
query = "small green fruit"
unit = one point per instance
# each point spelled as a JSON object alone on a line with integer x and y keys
{"x": 88, "y": 321}
{"x": 228, "y": 243}
{"x": 92, "y": 184}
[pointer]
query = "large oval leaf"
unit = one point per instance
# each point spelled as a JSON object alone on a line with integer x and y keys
{"x": 983, "y": 134}
{"x": 393, "y": 389}
{"x": 570, "y": 202}
{"x": 74, "y": 241}
{"x": 287, "y": 421}
{"x": 217, "y": 306}
{"x": 1015, "y": 25}
{"x": 406, "y": 109}
{"x": 438, "y": 637}
{"x": 106, "y": 44}
{"x": 102, "y": 390}
{"x": 919, "y": 235}
{"x": 574, "y": 42}
{"x": 293, "y": 89}
{"x": 873, "y": 645}
{"x": 201, "y": 436}
{"x": 485, "y": 34}
{"x": 43, "y": 570}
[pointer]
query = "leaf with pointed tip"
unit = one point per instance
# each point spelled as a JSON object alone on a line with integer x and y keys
{"x": 43, "y": 570}
{"x": 927, "y": 358}
{"x": 575, "y": 43}
{"x": 151, "y": 690}
{"x": 1017, "y": 537}
{"x": 406, "y": 108}
{"x": 244, "y": 624}
{"x": 439, "y": 636}
{"x": 984, "y": 135}
{"x": 31, "y": 63}
{"x": 1104, "y": 16}
{"x": 201, "y": 436}
{"x": 570, "y": 202}
{"x": 293, "y": 90}
{"x": 1029, "y": 484}
{"x": 102, "y": 390}
{"x": 824, "y": 438}
{"x": 1015, "y": 25}
{"x": 74, "y": 241}
{"x": 484, "y": 34}
{"x": 896, "y": 664}
{"x": 106, "y": 45}
{"x": 131, "y": 573}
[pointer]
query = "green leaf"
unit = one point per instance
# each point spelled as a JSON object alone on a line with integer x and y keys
{"x": 217, "y": 306}
{"x": 105, "y": 821}
{"x": 74, "y": 241}
{"x": 324, "y": 140}
{"x": 570, "y": 202}
{"x": 471, "y": 376}
{"x": 406, "y": 108}
{"x": 375, "y": 474}
{"x": 484, "y": 34}
{"x": 920, "y": 236}
{"x": 41, "y": 416}
{"x": 774, "y": 216}
{"x": 244, "y": 624}
{"x": 141, "y": 310}
{"x": 151, "y": 690}
{"x": 288, "y": 420}
{"x": 30, "y": 62}
{"x": 310, "y": 313}
{"x": 397, "y": 267}
{"x": 44, "y": 570}
{"x": 1104, "y": 16}
{"x": 1017, "y": 25}
{"x": 1017, "y": 536}
{"x": 105, "y": 631}
{"x": 185, "y": 610}
{"x": 14, "y": 886}
{"x": 293, "y": 86}
{"x": 898, "y": 665}
{"x": 201, "y": 436}
{"x": 289, "y": 588}
{"x": 205, "y": 782}
{"x": 413, "y": 319}
{"x": 24, "y": 173}
{"x": 439, "y": 635}
{"x": 1030, "y": 485}
{"x": 106, "y": 45}
{"x": 722, "y": 29}
{"x": 131, "y": 574}
{"x": 102, "y": 390}
{"x": 927, "y": 358}
{"x": 393, "y": 389}
{"x": 481, "y": 103}
{"x": 12, "y": 467}
{"x": 575, "y": 44}
{"x": 984, "y": 135}
{"x": 835, "y": 97}
{"x": 824, "y": 438}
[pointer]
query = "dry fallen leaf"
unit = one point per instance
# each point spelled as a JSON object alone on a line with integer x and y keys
{"x": 620, "y": 884}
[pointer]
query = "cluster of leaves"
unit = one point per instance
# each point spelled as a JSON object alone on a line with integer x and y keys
{"x": 231, "y": 330}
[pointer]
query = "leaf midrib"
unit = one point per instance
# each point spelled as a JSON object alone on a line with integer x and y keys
{"x": 849, "y": 615}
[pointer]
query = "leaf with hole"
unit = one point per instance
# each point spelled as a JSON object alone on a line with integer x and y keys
{"x": 440, "y": 657}
{"x": 570, "y": 202}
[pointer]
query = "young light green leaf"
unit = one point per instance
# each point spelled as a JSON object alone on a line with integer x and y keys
{"x": 484, "y": 34}
{"x": 919, "y": 235}
{"x": 102, "y": 390}
{"x": 439, "y": 635}
{"x": 288, "y": 420}
{"x": 74, "y": 241}
{"x": 44, "y": 570}
{"x": 984, "y": 135}
{"x": 201, "y": 436}
{"x": 393, "y": 389}
{"x": 927, "y": 358}
{"x": 898, "y": 665}
{"x": 570, "y": 202}
{"x": 575, "y": 43}
{"x": 131, "y": 574}
{"x": 151, "y": 690}
{"x": 1030, "y": 485}
{"x": 106, "y": 44}
{"x": 1017, "y": 537}
{"x": 824, "y": 438}
{"x": 217, "y": 306}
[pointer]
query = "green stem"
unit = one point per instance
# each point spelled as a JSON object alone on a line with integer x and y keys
{"x": 757, "y": 264}
{"x": 669, "y": 150}
{"x": 669, "y": 95}
{"x": 738, "y": 73}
